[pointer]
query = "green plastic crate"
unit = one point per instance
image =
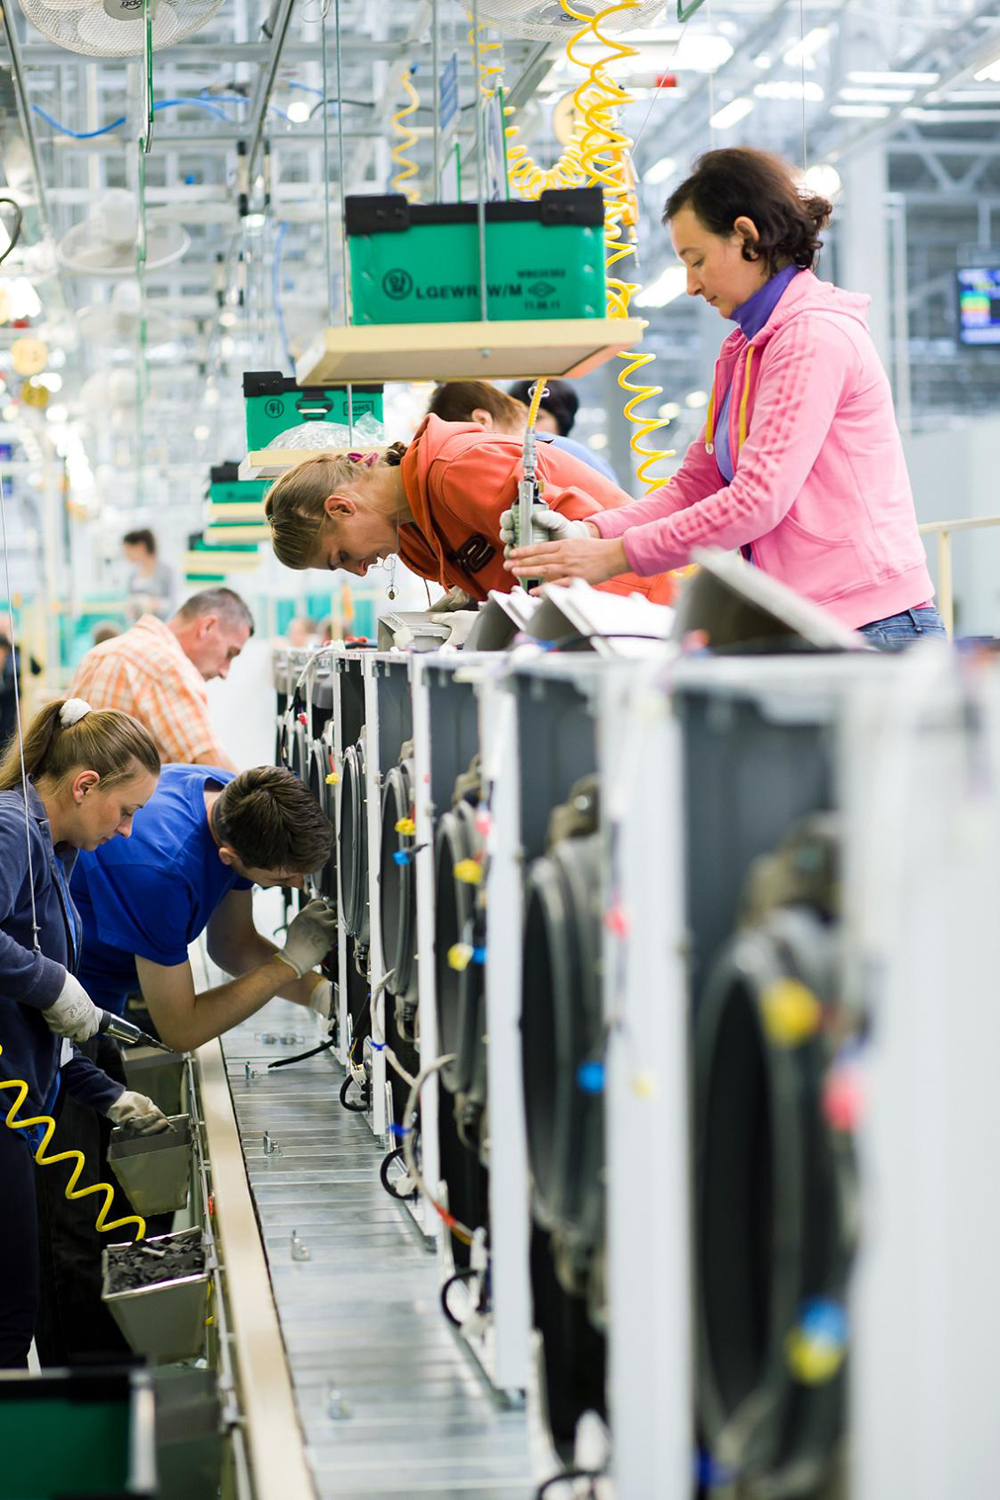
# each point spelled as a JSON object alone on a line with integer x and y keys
{"x": 225, "y": 487}
{"x": 274, "y": 403}
{"x": 79, "y": 1433}
{"x": 419, "y": 263}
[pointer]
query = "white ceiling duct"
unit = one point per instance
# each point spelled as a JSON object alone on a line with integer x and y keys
{"x": 113, "y": 28}
{"x": 104, "y": 243}
{"x": 545, "y": 20}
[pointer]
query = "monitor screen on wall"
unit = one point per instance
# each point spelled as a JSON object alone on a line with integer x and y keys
{"x": 979, "y": 305}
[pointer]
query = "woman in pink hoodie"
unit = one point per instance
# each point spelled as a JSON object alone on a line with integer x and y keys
{"x": 800, "y": 464}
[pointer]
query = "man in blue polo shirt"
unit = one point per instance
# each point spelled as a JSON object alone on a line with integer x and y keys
{"x": 198, "y": 847}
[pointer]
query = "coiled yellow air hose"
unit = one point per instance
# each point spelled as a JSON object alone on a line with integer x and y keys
{"x": 13, "y": 1123}
{"x": 605, "y": 158}
{"x": 405, "y": 167}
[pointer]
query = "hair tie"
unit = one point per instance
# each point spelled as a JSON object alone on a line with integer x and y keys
{"x": 72, "y": 711}
{"x": 363, "y": 458}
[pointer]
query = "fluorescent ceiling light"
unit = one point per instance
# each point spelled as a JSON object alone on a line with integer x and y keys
{"x": 824, "y": 179}
{"x": 877, "y": 96}
{"x": 805, "y": 49}
{"x": 952, "y": 117}
{"x": 202, "y": 434}
{"x": 699, "y": 52}
{"x": 696, "y": 400}
{"x": 787, "y": 89}
{"x": 860, "y": 111}
{"x": 990, "y": 73}
{"x": 918, "y": 80}
{"x": 671, "y": 283}
{"x": 299, "y": 111}
{"x": 668, "y": 411}
{"x": 660, "y": 171}
{"x": 731, "y": 114}
{"x": 762, "y": 61}
{"x": 597, "y": 440}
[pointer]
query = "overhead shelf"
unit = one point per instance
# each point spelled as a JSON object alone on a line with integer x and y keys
{"x": 463, "y": 351}
{"x": 271, "y": 463}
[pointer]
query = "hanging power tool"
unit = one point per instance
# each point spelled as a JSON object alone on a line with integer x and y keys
{"x": 529, "y": 491}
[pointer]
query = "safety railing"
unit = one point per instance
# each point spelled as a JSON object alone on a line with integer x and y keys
{"x": 945, "y": 588}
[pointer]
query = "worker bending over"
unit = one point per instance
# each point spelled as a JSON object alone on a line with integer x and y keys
{"x": 438, "y": 503}
{"x": 200, "y": 845}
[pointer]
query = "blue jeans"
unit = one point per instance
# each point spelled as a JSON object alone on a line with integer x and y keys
{"x": 899, "y": 631}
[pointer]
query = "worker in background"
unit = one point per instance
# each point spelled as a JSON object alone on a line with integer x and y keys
{"x": 151, "y": 586}
{"x": 557, "y": 409}
{"x": 437, "y": 503}
{"x": 197, "y": 850}
{"x": 800, "y": 464}
{"x": 483, "y": 403}
{"x": 302, "y": 632}
{"x": 157, "y": 672}
{"x": 86, "y": 774}
{"x": 11, "y": 661}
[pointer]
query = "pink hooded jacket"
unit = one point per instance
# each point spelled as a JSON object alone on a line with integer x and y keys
{"x": 820, "y": 486}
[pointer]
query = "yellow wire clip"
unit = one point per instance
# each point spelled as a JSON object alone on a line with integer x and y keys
{"x": 406, "y": 827}
{"x": 468, "y": 871}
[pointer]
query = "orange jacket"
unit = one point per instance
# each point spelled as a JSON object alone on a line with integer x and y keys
{"x": 458, "y": 479}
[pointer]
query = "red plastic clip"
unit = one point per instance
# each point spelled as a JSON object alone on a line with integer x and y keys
{"x": 617, "y": 922}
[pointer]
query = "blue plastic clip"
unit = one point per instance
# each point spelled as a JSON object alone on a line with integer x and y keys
{"x": 400, "y": 1130}
{"x": 479, "y": 955}
{"x": 401, "y": 857}
{"x": 590, "y": 1077}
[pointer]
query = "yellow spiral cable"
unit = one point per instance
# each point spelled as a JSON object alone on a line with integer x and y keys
{"x": 530, "y": 180}
{"x": 536, "y": 401}
{"x": 49, "y": 1161}
{"x": 605, "y": 159}
{"x": 486, "y": 67}
{"x": 406, "y": 167}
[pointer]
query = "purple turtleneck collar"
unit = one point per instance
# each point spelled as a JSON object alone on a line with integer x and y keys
{"x": 752, "y": 314}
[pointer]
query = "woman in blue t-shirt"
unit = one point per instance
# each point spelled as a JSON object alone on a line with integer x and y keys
{"x": 84, "y": 775}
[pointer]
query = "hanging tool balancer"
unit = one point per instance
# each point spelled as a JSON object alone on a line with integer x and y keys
{"x": 529, "y": 494}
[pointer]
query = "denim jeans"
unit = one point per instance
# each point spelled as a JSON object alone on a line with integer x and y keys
{"x": 899, "y": 631}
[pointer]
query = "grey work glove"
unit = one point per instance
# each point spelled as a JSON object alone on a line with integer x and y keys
{"x": 139, "y": 1113}
{"x": 455, "y": 598}
{"x": 559, "y": 528}
{"x": 310, "y": 937}
{"x": 73, "y": 1013}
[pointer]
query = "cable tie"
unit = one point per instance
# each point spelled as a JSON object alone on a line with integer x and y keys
{"x": 398, "y": 1131}
{"x": 377, "y": 1046}
{"x": 401, "y": 857}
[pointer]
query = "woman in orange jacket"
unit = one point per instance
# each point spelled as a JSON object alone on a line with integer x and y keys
{"x": 437, "y": 504}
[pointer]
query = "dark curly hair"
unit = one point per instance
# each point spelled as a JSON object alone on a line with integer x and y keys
{"x": 726, "y": 185}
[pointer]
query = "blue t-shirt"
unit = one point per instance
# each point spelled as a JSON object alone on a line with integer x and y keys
{"x": 152, "y": 894}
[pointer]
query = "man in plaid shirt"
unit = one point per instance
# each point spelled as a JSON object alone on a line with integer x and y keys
{"x": 157, "y": 673}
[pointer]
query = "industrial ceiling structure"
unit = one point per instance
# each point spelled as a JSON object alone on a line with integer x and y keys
{"x": 263, "y": 118}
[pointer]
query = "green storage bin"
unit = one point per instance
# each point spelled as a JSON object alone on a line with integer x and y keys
{"x": 419, "y": 262}
{"x": 225, "y": 487}
{"x": 77, "y": 1433}
{"x": 274, "y": 403}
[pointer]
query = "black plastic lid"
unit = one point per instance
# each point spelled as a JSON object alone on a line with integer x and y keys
{"x": 391, "y": 213}
{"x": 226, "y": 473}
{"x": 273, "y": 383}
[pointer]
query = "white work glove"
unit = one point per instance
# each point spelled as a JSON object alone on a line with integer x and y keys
{"x": 455, "y": 598}
{"x": 321, "y": 999}
{"x": 73, "y": 1013}
{"x": 310, "y": 937}
{"x": 543, "y": 519}
{"x": 138, "y": 1113}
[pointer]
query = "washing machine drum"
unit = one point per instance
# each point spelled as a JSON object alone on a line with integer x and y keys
{"x": 460, "y": 1000}
{"x": 774, "y": 1204}
{"x": 298, "y": 748}
{"x": 319, "y": 769}
{"x": 353, "y": 843}
{"x": 562, "y": 1041}
{"x": 397, "y": 881}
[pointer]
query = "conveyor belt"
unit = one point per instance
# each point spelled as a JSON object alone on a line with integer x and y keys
{"x": 389, "y": 1404}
